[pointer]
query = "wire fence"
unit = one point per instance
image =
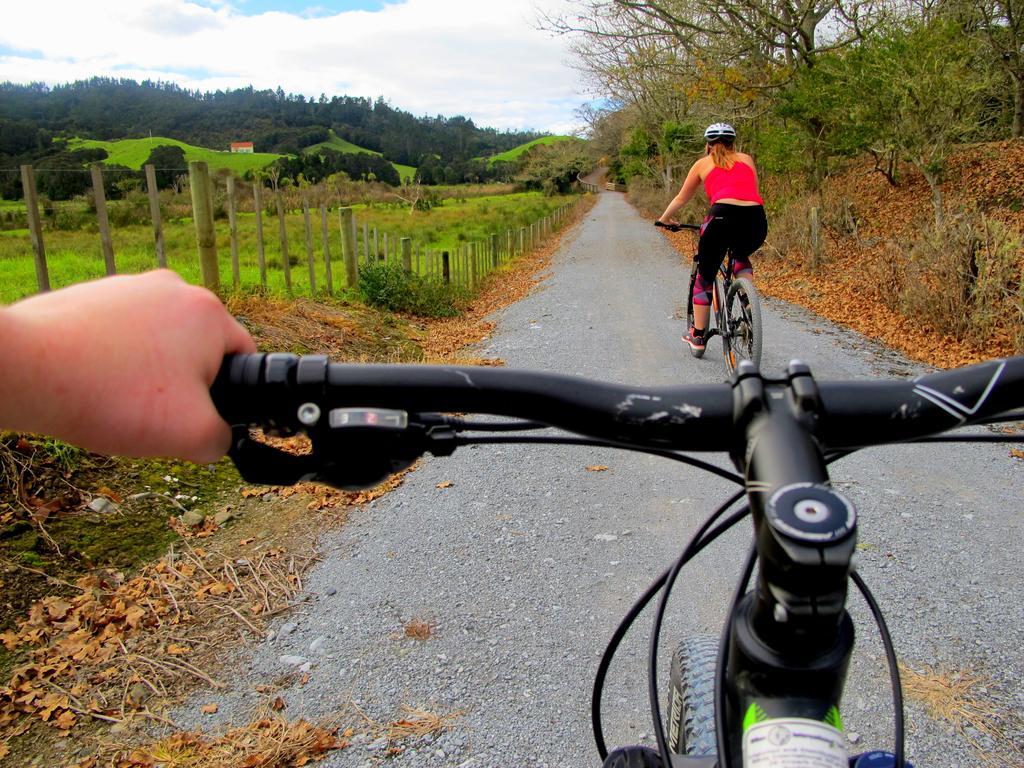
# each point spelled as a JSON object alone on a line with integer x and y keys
{"x": 333, "y": 249}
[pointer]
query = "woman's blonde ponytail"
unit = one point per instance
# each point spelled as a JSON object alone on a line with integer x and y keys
{"x": 722, "y": 155}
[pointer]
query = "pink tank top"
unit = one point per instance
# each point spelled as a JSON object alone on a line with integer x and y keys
{"x": 737, "y": 183}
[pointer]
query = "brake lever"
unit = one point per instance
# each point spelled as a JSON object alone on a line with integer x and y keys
{"x": 352, "y": 448}
{"x": 355, "y": 450}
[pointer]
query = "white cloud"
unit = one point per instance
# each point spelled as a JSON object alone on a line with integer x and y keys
{"x": 479, "y": 58}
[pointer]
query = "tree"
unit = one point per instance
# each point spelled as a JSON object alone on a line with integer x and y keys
{"x": 1003, "y": 26}
{"x": 169, "y": 162}
{"x": 914, "y": 90}
{"x": 554, "y": 168}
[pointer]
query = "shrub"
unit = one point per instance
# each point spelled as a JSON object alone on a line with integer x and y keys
{"x": 649, "y": 196}
{"x": 789, "y": 231}
{"x": 964, "y": 278}
{"x": 134, "y": 209}
{"x": 390, "y": 287}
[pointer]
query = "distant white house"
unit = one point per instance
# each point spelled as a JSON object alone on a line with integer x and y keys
{"x": 244, "y": 147}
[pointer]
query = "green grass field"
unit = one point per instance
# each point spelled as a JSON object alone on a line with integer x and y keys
{"x": 512, "y": 154}
{"x": 76, "y": 256}
{"x": 133, "y": 153}
{"x": 338, "y": 144}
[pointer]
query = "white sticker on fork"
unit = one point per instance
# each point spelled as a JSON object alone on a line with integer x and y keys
{"x": 794, "y": 742}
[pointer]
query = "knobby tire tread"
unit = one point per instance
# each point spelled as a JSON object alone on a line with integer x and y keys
{"x": 692, "y": 688}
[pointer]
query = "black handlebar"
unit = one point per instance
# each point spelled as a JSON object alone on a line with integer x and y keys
{"x": 387, "y": 408}
{"x": 673, "y": 227}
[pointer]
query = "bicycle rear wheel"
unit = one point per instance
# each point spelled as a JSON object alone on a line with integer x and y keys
{"x": 691, "y": 706}
{"x": 743, "y": 329}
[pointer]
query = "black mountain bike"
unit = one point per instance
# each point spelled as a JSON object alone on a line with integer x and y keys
{"x": 767, "y": 692}
{"x": 735, "y": 311}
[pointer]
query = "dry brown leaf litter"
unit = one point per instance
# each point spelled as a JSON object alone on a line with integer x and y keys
{"x": 268, "y": 741}
{"x": 119, "y": 644}
{"x": 964, "y": 701}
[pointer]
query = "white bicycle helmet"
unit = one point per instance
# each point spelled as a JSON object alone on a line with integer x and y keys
{"x": 718, "y": 132}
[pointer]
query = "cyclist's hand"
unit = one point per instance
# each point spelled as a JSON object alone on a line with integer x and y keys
{"x": 121, "y": 365}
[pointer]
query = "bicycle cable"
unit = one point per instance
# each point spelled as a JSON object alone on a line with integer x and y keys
{"x": 460, "y": 425}
{"x": 890, "y": 656}
{"x": 555, "y": 440}
{"x": 652, "y": 660}
{"x": 966, "y": 439}
{"x": 723, "y": 650}
{"x": 698, "y": 542}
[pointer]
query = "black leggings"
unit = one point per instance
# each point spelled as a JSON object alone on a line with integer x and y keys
{"x": 737, "y": 228}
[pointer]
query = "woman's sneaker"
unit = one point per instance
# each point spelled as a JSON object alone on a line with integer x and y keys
{"x": 696, "y": 342}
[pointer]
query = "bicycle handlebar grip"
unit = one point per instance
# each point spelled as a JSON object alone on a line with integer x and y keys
{"x": 266, "y": 389}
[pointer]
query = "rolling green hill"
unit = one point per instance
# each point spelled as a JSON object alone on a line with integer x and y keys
{"x": 512, "y": 154}
{"x": 338, "y": 144}
{"x": 133, "y": 153}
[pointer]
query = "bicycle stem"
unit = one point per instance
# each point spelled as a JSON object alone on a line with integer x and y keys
{"x": 791, "y": 637}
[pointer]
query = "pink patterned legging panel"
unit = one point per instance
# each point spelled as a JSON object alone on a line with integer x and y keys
{"x": 702, "y": 289}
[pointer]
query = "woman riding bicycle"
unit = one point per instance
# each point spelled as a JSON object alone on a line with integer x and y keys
{"x": 735, "y": 222}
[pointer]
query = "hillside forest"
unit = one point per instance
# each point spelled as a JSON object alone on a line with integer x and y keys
{"x": 41, "y": 125}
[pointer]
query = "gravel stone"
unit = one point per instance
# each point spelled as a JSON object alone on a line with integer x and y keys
{"x": 103, "y": 506}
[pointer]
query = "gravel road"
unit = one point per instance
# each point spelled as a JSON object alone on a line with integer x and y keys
{"x": 526, "y": 563}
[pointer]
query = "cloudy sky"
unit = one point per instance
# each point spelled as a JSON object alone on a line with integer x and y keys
{"x": 481, "y": 58}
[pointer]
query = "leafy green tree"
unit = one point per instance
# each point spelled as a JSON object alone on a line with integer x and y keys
{"x": 916, "y": 90}
{"x": 168, "y": 162}
{"x": 554, "y": 168}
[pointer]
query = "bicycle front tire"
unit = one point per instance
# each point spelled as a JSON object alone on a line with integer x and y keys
{"x": 691, "y": 706}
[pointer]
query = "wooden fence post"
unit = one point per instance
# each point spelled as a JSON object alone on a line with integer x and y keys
{"x": 261, "y": 255}
{"x": 815, "y": 240}
{"x": 407, "y": 254}
{"x": 35, "y": 226}
{"x": 101, "y": 218}
{"x": 202, "y": 216}
{"x": 494, "y": 250}
{"x": 309, "y": 244}
{"x": 446, "y": 271}
{"x": 348, "y": 246}
{"x": 154, "y": 214}
{"x": 236, "y": 279}
{"x": 326, "y": 237}
{"x": 285, "y": 258}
